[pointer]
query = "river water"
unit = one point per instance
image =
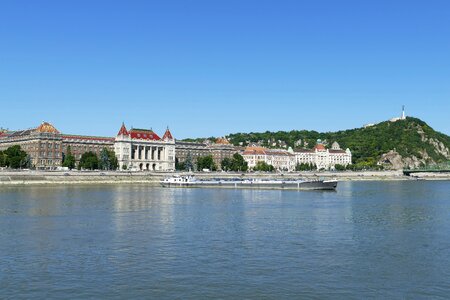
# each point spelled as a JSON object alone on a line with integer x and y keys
{"x": 366, "y": 240}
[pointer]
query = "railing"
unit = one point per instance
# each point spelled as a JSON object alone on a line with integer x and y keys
{"x": 438, "y": 168}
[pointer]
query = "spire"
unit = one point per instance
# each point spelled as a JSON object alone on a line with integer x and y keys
{"x": 123, "y": 130}
{"x": 167, "y": 135}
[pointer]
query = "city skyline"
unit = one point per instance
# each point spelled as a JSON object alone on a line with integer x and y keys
{"x": 160, "y": 132}
{"x": 207, "y": 69}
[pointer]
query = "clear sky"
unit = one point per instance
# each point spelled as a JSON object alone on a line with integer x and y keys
{"x": 217, "y": 67}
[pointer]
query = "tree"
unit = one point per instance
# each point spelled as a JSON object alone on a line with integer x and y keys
{"x": 179, "y": 166}
{"x": 206, "y": 162}
{"x": 263, "y": 166}
{"x": 108, "y": 160}
{"x": 339, "y": 167}
{"x": 226, "y": 164}
{"x": 88, "y": 161}
{"x": 2, "y": 159}
{"x": 15, "y": 157}
{"x": 238, "y": 163}
{"x": 28, "y": 161}
{"x": 188, "y": 164}
{"x": 104, "y": 163}
{"x": 305, "y": 167}
{"x": 113, "y": 161}
{"x": 68, "y": 159}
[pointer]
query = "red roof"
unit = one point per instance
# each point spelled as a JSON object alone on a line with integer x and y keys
{"x": 123, "y": 130}
{"x": 320, "y": 147}
{"x": 144, "y": 134}
{"x": 167, "y": 135}
{"x": 254, "y": 151}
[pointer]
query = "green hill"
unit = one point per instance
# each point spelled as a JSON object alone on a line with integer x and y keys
{"x": 406, "y": 143}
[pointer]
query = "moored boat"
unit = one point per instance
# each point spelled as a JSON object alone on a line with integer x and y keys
{"x": 296, "y": 184}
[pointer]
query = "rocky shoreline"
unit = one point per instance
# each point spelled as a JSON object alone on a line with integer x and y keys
{"x": 14, "y": 178}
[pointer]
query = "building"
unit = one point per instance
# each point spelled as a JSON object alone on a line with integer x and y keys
{"x": 142, "y": 149}
{"x": 184, "y": 150}
{"x": 43, "y": 144}
{"x": 46, "y": 146}
{"x": 219, "y": 150}
{"x": 80, "y": 144}
{"x": 287, "y": 160}
{"x": 324, "y": 158}
{"x": 281, "y": 160}
{"x": 137, "y": 149}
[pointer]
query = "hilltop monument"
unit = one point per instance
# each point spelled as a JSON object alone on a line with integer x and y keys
{"x": 402, "y": 117}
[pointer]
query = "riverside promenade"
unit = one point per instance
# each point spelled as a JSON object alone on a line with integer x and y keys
{"x": 29, "y": 177}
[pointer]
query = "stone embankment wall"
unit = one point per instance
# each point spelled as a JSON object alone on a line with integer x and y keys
{"x": 153, "y": 178}
{"x": 41, "y": 177}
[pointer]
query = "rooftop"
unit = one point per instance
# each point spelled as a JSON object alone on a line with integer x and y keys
{"x": 47, "y": 128}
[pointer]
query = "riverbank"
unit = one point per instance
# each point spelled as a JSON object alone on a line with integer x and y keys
{"x": 153, "y": 178}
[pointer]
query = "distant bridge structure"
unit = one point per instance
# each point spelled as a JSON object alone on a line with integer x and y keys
{"x": 440, "y": 168}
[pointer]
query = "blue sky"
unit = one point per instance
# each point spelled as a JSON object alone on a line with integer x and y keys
{"x": 216, "y": 67}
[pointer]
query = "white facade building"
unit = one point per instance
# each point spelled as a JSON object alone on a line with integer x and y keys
{"x": 142, "y": 149}
{"x": 324, "y": 158}
{"x": 287, "y": 160}
{"x": 281, "y": 160}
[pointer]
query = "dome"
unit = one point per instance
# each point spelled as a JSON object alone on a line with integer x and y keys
{"x": 47, "y": 128}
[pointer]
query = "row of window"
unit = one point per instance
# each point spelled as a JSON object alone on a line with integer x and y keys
{"x": 49, "y": 154}
{"x": 47, "y": 162}
{"x": 86, "y": 148}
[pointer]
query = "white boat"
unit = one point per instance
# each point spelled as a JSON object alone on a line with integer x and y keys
{"x": 293, "y": 184}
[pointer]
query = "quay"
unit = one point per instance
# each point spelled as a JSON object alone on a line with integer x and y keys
{"x": 25, "y": 177}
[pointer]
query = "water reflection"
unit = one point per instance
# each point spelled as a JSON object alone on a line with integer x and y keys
{"x": 376, "y": 239}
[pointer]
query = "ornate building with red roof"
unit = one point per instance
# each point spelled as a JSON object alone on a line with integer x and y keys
{"x": 136, "y": 149}
{"x": 46, "y": 146}
{"x": 43, "y": 144}
{"x": 284, "y": 160}
{"x": 143, "y": 149}
{"x": 324, "y": 158}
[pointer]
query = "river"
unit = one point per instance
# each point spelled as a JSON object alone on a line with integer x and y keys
{"x": 367, "y": 239}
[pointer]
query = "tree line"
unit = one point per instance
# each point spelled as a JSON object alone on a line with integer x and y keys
{"x": 107, "y": 160}
{"x": 235, "y": 163}
{"x": 15, "y": 158}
